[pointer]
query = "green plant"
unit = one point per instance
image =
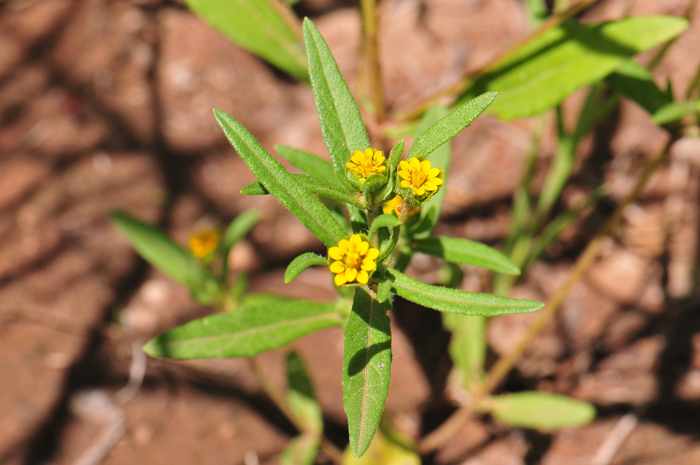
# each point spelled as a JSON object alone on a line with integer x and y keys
{"x": 381, "y": 210}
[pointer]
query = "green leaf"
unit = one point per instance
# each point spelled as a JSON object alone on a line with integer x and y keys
{"x": 456, "y": 301}
{"x": 395, "y": 155}
{"x": 635, "y": 82}
{"x": 366, "y": 368}
{"x": 246, "y": 332}
{"x": 388, "y": 448}
{"x": 309, "y": 163}
{"x": 467, "y": 347}
{"x": 259, "y": 27}
{"x": 280, "y": 182}
{"x": 675, "y": 111}
{"x": 458, "y": 250}
{"x": 440, "y": 158}
{"x": 383, "y": 221}
{"x": 341, "y": 122}
{"x": 158, "y": 249}
{"x": 449, "y": 126}
{"x": 313, "y": 185}
{"x": 300, "y": 395}
{"x": 542, "y": 73}
{"x": 301, "y": 263}
{"x": 542, "y": 411}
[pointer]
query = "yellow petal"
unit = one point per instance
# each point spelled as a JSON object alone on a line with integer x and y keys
{"x": 369, "y": 152}
{"x": 415, "y": 164}
{"x": 437, "y": 181}
{"x": 405, "y": 184}
{"x": 362, "y": 277}
{"x": 350, "y": 274}
{"x": 425, "y": 165}
{"x": 434, "y": 172}
{"x": 355, "y": 240}
{"x": 340, "y": 279}
{"x": 335, "y": 253}
{"x": 362, "y": 248}
{"x": 369, "y": 265}
{"x": 419, "y": 190}
{"x": 379, "y": 158}
{"x": 356, "y": 157}
{"x": 404, "y": 174}
{"x": 404, "y": 165}
{"x": 344, "y": 245}
{"x": 387, "y": 210}
{"x": 429, "y": 186}
{"x": 381, "y": 169}
{"x": 337, "y": 267}
{"x": 372, "y": 254}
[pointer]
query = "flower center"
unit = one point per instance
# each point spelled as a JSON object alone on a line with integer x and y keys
{"x": 418, "y": 178}
{"x": 353, "y": 260}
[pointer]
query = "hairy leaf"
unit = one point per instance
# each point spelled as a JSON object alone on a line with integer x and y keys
{"x": 542, "y": 411}
{"x": 457, "y": 301}
{"x": 301, "y": 263}
{"x": 280, "y": 182}
{"x": 366, "y": 368}
{"x": 246, "y": 332}
{"x": 458, "y": 250}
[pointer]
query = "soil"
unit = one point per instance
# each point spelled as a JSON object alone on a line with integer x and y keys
{"x": 106, "y": 105}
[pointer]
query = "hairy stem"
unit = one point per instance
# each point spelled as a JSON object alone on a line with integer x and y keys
{"x": 370, "y": 45}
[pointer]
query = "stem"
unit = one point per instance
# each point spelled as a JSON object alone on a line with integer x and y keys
{"x": 370, "y": 44}
{"x": 281, "y": 403}
{"x": 500, "y": 370}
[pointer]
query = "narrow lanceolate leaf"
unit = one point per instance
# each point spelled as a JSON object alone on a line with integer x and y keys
{"x": 449, "y": 126}
{"x": 675, "y": 111}
{"x": 158, "y": 249}
{"x": 457, "y": 301}
{"x": 238, "y": 228}
{"x": 542, "y": 411}
{"x": 395, "y": 154}
{"x": 541, "y": 74}
{"x": 313, "y": 185}
{"x": 308, "y": 162}
{"x": 246, "y": 332}
{"x": 440, "y": 158}
{"x": 300, "y": 395}
{"x": 634, "y": 81}
{"x": 366, "y": 368}
{"x": 301, "y": 263}
{"x": 341, "y": 122}
{"x": 280, "y": 182}
{"x": 458, "y": 250}
{"x": 260, "y": 27}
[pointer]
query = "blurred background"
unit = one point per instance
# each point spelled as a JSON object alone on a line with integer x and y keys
{"x": 107, "y": 104}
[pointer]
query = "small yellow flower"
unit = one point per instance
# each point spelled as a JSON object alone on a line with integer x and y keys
{"x": 353, "y": 260}
{"x": 396, "y": 205}
{"x": 204, "y": 242}
{"x": 419, "y": 176}
{"x": 367, "y": 163}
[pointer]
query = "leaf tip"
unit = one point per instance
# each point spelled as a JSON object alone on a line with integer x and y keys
{"x": 152, "y": 348}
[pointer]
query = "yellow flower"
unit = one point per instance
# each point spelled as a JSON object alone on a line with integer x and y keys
{"x": 367, "y": 163}
{"x": 419, "y": 176}
{"x": 204, "y": 242}
{"x": 353, "y": 260}
{"x": 396, "y": 205}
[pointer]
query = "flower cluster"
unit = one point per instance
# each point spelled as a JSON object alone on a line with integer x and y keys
{"x": 367, "y": 163}
{"x": 354, "y": 259}
{"x": 419, "y": 176}
{"x": 204, "y": 242}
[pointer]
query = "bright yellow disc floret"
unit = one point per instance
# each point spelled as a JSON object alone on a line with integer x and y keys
{"x": 204, "y": 242}
{"x": 354, "y": 259}
{"x": 419, "y": 176}
{"x": 367, "y": 163}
